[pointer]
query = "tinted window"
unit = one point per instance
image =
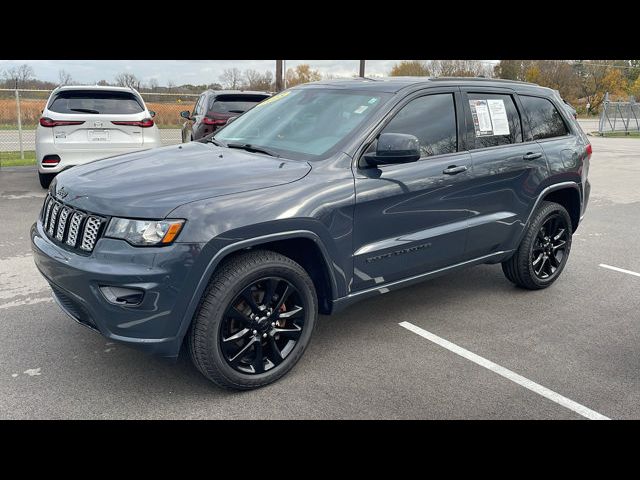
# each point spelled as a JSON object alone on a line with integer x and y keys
{"x": 545, "y": 121}
{"x": 432, "y": 119}
{"x": 95, "y": 102}
{"x": 495, "y": 120}
{"x": 234, "y": 103}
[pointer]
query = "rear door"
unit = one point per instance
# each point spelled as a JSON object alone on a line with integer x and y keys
{"x": 508, "y": 167}
{"x": 110, "y": 119}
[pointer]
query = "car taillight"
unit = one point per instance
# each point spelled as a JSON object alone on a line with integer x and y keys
{"x": 146, "y": 123}
{"x": 50, "y": 160}
{"x": 213, "y": 121}
{"x": 589, "y": 149}
{"x": 47, "y": 122}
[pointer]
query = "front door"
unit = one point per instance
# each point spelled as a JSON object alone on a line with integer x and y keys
{"x": 411, "y": 218}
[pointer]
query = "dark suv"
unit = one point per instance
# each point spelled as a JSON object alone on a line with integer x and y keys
{"x": 322, "y": 195}
{"x": 213, "y": 108}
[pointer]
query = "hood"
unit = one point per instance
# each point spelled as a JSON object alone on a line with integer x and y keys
{"x": 150, "y": 184}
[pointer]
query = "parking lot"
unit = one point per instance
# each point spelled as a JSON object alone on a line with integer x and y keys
{"x": 490, "y": 351}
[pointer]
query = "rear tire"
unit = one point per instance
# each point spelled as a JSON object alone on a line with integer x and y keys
{"x": 46, "y": 179}
{"x": 544, "y": 249}
{"x": 222, "y": 339}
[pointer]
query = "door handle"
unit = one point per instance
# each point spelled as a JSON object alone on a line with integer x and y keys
{"x": 532, "y": 156}
{"x": 452, "y": 169}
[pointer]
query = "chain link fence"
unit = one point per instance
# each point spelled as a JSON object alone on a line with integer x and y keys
{"x": 619, "y": 116}
{"x": 20, "y": 111}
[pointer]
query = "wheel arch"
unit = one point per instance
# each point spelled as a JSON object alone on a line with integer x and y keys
{"x": 303, "y": 246}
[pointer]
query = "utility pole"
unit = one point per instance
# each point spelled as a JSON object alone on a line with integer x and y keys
{"x": 279, "y": 83}
{"x": 362, "y": 68}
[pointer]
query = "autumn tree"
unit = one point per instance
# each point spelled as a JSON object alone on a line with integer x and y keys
{"x": 596, "y": 78}
{"x": 302, "y": 74}
{"x": 410, "y": 68}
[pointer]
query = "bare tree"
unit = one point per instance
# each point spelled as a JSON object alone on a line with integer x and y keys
{"x": 17, "y": 77}
{"x": 170, "y": 86}
{"x": 460, "y": 68}
{"x": 64, "y": 77}
{"x": 103, "y": 83}
{"x": 153, "y": 84}
{"x": 232, "y": 78}
{"x": 126, "y": 79}
{"x": 258, "y": 81}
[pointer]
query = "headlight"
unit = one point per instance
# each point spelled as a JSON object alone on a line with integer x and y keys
{"x": 144, "y": 232}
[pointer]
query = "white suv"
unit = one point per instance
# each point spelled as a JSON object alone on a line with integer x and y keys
{"x": 84, "y": 123}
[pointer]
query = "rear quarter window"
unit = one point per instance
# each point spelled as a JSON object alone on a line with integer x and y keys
{"x": 95, "y": 102}
{"x": 544, "y": 119}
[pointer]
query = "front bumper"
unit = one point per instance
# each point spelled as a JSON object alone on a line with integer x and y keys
{"x": 164, "y": 274}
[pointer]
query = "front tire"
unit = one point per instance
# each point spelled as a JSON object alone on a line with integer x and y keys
{"x": 46, "y": 179}
{"x": 254, "y": 322}
{"x": 544, "y": 249}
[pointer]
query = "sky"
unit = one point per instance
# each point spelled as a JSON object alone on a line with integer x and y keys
{"x": 181, "y": 72}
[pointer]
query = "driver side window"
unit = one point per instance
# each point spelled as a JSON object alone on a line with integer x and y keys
{"x": 432, "y": 119}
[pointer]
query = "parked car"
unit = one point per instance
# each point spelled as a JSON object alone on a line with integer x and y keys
{"x": 213, "y": 108}
{"x": 83, "y": 123}
{"x": 323, "y": 195}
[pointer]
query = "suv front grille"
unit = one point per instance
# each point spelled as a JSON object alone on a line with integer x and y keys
{"x": 73, "y": 228}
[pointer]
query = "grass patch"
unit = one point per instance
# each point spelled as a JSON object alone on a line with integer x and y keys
{"x": 620, "y": 134}
{"x": 12, "y": 159}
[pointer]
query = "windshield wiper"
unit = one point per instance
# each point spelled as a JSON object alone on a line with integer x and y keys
{"x": 84, "y": 110}
{"x": 215, "y": 142}
{"x": 251, "y": 148}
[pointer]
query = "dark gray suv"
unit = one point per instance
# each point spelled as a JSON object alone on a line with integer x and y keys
{"x": 323, "y": 195}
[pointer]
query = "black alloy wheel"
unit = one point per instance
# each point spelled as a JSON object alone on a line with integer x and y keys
{"x": 262, "y": 325}
{"x": 548, "y": 250}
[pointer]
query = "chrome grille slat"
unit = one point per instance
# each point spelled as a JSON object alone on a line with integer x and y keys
{"x": 74, "y": 228}
{"x": 91, "y": 228}
{"x": 62, "y": 223}
{"x": 47, "y": 215}
{"x": 54, "y": 216}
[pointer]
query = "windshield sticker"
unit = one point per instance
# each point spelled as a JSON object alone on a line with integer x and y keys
{"x": 489, "y": 117}
{"x": 275, "y": 98}
{"x": 360, "y": 109}
{"x": 373, "y": 100}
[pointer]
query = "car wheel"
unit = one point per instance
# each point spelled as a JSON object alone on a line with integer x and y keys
{"x": 46, "y": 179}
{"x": 254, "y": 322}
{"x": 544, "y": 250}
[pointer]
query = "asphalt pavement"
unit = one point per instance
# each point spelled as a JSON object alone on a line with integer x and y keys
{"x": 579, "y": 339}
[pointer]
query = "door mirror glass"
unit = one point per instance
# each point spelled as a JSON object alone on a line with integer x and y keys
{"x": 186, "y": 114}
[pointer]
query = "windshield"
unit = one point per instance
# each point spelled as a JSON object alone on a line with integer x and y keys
{"x": 306, "y": 123}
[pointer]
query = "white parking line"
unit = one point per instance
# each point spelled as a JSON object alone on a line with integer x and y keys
{"x": 514, "y": 377}
{"x": 619, "y": 269}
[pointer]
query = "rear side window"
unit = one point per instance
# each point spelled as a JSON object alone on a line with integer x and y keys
{"x": 95, "y": 102}
{"x": 495, "y": 120}
{"x": 234, "y": 103}
{"x": 432, "y": 119}
{"x": 544, "y": 119}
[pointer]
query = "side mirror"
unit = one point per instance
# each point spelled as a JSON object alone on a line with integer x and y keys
{"x": 186, "y": 114}
{"x": 231, "y": 119}
{"x": 152, "y": 113}
{"x": 394, "y": 148}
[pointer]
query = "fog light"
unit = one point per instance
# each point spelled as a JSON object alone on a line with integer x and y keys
{"x": 122, "y": 296}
